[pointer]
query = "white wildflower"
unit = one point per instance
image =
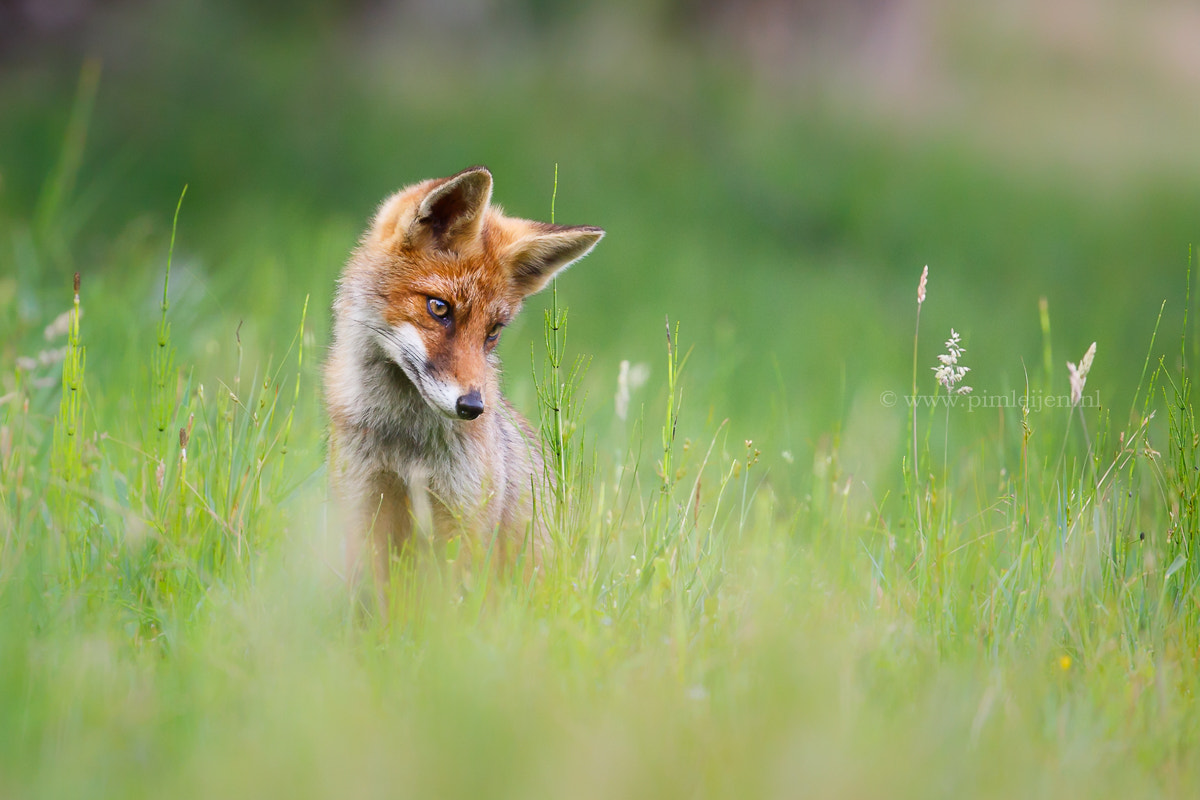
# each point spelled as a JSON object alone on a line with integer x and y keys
{"x": 951, "y": 373}
{"x": 622, "y": 399}
{"x": 60, "y": 327}
{"x": 629, "y": 379}
{"x": 1079, "y": 374}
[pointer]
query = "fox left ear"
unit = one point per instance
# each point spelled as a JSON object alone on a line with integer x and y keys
{"x": 548, "y": 250}
{"x": 451, "y": 214}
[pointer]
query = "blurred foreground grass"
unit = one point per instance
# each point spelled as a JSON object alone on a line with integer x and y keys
{"x": 1016, "y": 617}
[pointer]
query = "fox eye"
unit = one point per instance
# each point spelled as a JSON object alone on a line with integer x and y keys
{"x": 494, "y": 332}
{"x": 438, "y": 308}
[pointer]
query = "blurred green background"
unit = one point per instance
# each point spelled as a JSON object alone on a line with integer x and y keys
{"x": 773, "y": 175}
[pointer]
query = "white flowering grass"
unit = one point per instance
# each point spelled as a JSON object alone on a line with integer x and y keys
{"x": 1078, "y": 374}
{"x": 914, "y": 471}
{"x": 1077, "y": 378}
{"x": 949, "y": 373}
{"x": 923, "y": 492}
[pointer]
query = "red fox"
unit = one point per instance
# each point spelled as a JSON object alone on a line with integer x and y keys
{"x": 421, "y": 435}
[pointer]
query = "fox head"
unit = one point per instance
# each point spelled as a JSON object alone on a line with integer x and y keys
{"x": 444, "y": 272}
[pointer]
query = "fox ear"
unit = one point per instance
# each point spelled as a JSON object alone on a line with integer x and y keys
{"x": 547, "y": 250}
{"x": 452, "y": 213}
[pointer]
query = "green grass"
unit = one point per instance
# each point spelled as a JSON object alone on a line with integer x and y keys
{"x": 1022, "y": 623}
{"x": 768, "y": 581}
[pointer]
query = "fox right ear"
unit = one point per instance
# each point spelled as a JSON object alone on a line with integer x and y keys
{"x": 547, "y": 250}
{"x": 451, "y": 214}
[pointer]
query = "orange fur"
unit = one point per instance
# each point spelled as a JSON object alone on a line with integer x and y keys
{"x": 421, "y": 434}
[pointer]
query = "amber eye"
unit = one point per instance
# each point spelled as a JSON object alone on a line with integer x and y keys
{"x": 439, "y": 308}
{"x": 494, "y": 332}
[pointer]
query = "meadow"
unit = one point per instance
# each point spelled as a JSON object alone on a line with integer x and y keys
{"x": 789, "y": 562}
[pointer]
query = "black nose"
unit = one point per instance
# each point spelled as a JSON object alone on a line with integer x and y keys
{"x": 470, "y": 405}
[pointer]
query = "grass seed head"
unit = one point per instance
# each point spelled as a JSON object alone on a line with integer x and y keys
{"x": 1078, "y": 374}
{"x": 950, "y": 373}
